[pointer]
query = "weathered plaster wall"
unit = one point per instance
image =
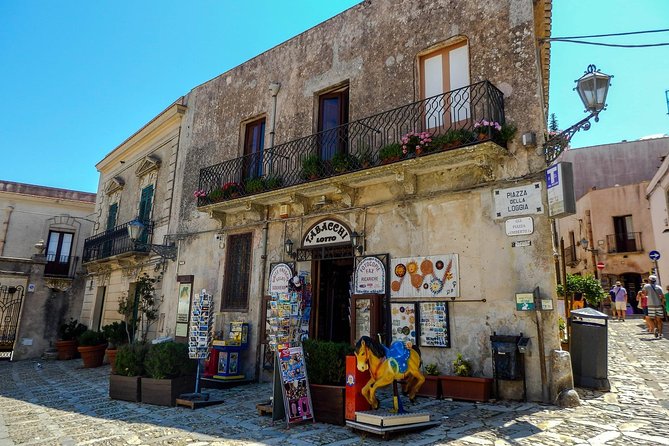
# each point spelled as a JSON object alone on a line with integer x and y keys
{"x": 659, "y": 216}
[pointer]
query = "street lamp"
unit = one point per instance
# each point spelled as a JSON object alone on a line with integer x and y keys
{"x": 135, "y": 230}
{"x": 288, "y": 247}
{"x": 592, "y": 88}
{"x": 358, "y": 240}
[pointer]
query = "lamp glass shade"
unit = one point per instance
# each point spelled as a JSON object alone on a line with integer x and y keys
{"x": 135, "y": 229}
{"x": 288, "y": 246}
{"x": 584, "y": 243}
{"x": 355, "y": 239}
{"x": 592, "y": 88}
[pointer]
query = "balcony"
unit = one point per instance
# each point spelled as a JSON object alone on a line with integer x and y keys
{"x": 626, "y": 242}
{"x": 60, "y": 266}
{"x": 114, "y": 242}
{"x": 452, "y": 120}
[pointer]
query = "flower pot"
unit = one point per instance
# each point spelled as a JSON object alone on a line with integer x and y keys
{"x": 164, "y": 392}
{"x": 329, "y": 403}
{"x": 482, "y": 136}
{"x": 111, "y": 357}
{"x": 126, "y": 388}
{"x": 93, "y": 355}
{"x": 389, "y": 160}
{"x": 466, "y": 388}
{"x": 431, "y": 388}
{"x": 66, "y": 349}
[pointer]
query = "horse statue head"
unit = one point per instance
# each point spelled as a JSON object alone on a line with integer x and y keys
{"x": 364, "y": 348}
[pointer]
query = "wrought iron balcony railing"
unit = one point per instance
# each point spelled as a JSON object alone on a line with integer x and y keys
{"x": 624, "y": 242}
{"x": 115, "y": 241}
{"x": 454, "y": 119}
{"x": 60, "y": 266}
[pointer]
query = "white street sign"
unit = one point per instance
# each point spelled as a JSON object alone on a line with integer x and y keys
{"x": 519, "y": 226}
{"x": 519, "y": 200}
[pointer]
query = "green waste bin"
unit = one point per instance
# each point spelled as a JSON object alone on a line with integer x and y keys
{"x": 588, "y": 346}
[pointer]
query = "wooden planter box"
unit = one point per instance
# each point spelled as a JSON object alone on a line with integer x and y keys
{"x": 67, "y": 349}
{"x": 329, "y": 403}
{"x": 164, "y": 392}
{"x": 466, "y": 388}
{"x": 92, "y": 356}
{"x": 431, "y": 387}
{"x": 111, "y": 357}
{"x": 126, "y": 388}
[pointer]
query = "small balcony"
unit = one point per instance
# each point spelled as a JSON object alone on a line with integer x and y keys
{"x": 115, "y": 242}
{"x": 60, "y": 266}
{"x": 450, "y": 121}
{"x": 624, "y": 242}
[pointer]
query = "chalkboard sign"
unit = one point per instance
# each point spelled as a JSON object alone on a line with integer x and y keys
{"x": 290, "y": 376}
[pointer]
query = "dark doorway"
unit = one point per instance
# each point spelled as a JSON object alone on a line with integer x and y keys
{"x": 632, "y": 283}
{"x": 332, "y": 300}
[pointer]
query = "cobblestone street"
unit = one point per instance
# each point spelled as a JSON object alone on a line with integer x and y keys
{"x": 64, "y": 404}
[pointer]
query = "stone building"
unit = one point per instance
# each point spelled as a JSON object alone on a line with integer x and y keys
{"x": 136, "y": 183}
{"x": 613, "y": 215}
{"x": 657, "y": 194}
{"x": 302, "y": 145}
{"x": 42, "y": 232}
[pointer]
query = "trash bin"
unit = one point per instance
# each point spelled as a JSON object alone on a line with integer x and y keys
{"x": 506, "y": 360}
{"x": 588, "y": 346}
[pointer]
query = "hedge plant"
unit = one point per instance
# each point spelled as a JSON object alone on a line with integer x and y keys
{"x": 130, "y": 359}
{"x": 326, "y": 361}
{"x": 168, "y": 360}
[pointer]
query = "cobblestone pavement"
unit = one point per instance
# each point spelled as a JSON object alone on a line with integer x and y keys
{"x": 64, "y": 404}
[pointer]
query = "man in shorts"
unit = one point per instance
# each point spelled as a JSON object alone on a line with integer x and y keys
{"x": 655, "y": 304}
{"x": 620, "y": 301}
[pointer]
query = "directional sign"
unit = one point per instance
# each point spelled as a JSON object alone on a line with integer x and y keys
{"x": 654, "y": 255}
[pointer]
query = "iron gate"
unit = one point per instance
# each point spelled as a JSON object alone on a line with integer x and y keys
{"x": 11, "y": 298}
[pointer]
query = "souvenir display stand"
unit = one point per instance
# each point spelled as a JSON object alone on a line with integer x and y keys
{"x": 198, "y": 348}
{"x": 229, "y": 351}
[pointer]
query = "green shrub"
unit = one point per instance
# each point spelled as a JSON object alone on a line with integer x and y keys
{"x": 431, "y": 369}
{"x": 508, "y": 132}
{"x": 130, "y": 359}
{"x": 71, "y": 330}
{"x": 254, "y": 185}
{"x": 311, "y": 167}
{"x": 115, "y": 333}
{"x": 273, "y": 182}
{"x": 326, "y": 361}
{"x": 168, "y": 360}
{"x": 390, "y": 151}
{"x": 462, "y": 367}
{"x": 343, "y": 162}
{"x": 90, "y": 338}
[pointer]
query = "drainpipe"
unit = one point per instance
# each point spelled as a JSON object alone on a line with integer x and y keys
{"x": 591, "y": 241}
{"x": 5, "y": 229}
{"x": 265, "y": 230}
{"x": 274, "y": 88}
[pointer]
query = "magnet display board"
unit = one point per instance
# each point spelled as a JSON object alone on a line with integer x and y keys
{"x": 291, "y": 386}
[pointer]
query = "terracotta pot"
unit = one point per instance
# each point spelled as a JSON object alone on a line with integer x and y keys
{"x": 431, "y": 388}
{"x": 482, "y": 136}
{"x": 66, "y": 349}
{"x": 111, "y": 357}
{"x": 92, "y": 356}
{"x": 466, "y": 388}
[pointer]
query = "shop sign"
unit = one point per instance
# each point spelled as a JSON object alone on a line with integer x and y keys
{"x": 327, "y": 232}
{"x": 278, "y": 278}
{"x": 524, "y": 301}
{"x": 520, "y": 200}
{"x": 370, "y": 276}
{"x": 519, "y": 226}
{"x": 560, "y": 190}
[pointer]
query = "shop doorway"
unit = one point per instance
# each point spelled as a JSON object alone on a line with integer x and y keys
{"x": 331, "y": 300}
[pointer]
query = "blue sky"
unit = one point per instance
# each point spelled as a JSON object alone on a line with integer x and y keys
{"x": 81, "y": 76}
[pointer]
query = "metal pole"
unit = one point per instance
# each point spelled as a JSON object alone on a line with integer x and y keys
{"x": 657, "y": 273}
{"x": 197, "y": 377}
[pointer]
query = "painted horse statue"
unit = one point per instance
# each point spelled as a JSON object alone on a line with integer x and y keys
{"x": 400, "y": 361}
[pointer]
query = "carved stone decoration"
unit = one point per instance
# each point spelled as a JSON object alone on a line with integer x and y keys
{"x": 300, "y": 203}
{"x": 114, "y": 185}
{"x": 148, "y": 164}
{"x": 58, "y": 284}
{"x": 347, "y": 194}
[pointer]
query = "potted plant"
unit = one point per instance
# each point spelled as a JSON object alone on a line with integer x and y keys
{"x": 390, "y": 153}
{"x": 430, "y": 387}
{"x": 124, "y": 384}
{"x": 215, "y": 195}
{"x": 254, "y": 185}
{"x": 366, "y": 158}
{"x": 344, "y": 162}
{"x": 230, "y": 190}
{"x": 311, "y": 167}
{"x": 170, "y": 373}
{"x": 273, "y": 182}
{"x": 507, "y": 132}
{"x": 463, "y": 386}
{"x": 116, "y": 335}
{"x": 92, "y": 345}
{"x": 146, "y": 312}
{"x": 326, "y": 371}
{"x": 416, "y": 143}
{"x": 485, "y": 129}
{"x": 67, "y": 339}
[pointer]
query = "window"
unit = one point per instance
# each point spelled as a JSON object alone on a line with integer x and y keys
{"x": 237, "y": 272}
{"x": 144, "y": 215}
{"x": 332, "y": 113}
{"x": 254, "y": 142}
{"x": 444, "y": 70}
{"x": 111, "y": 216}
{"x": 58, "y": 250}
{"x": 624, "y": 237}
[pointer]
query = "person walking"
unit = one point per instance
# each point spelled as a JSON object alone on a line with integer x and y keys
{"x": 620, "y": 297}
{"x": 666, "y": 305}
{"x": 643, "y": 306}
{"x": 655, "y": 304}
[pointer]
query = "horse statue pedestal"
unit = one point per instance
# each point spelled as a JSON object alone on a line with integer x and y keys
{"x": 386, "y": 423}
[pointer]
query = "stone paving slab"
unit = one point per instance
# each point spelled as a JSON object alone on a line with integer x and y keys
{"x": 62, "y": 403}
